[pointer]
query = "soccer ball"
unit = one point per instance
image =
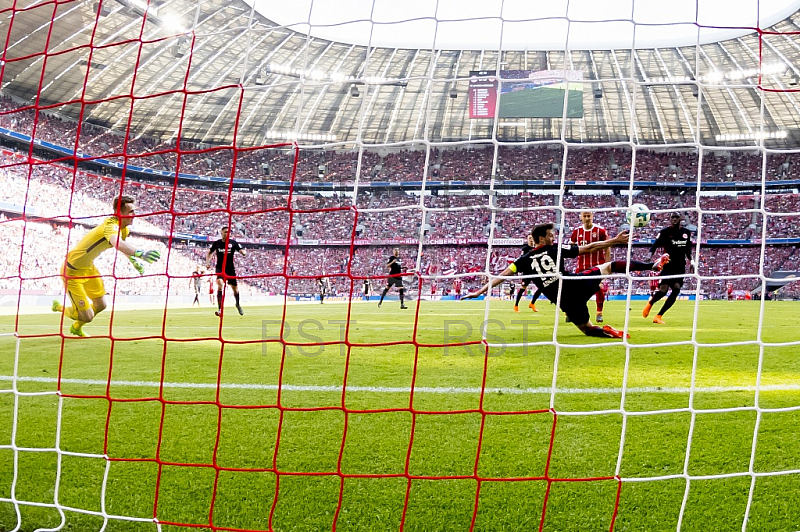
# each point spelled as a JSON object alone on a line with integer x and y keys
{"x": 638, "y": 215}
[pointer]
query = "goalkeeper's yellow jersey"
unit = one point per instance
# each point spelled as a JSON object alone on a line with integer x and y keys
{"x": 94, "y": 243}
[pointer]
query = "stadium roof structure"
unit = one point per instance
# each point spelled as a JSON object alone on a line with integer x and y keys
{"x": 238, "y": 74}
{"x": 522, "y": 25}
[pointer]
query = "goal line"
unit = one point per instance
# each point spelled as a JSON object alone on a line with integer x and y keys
{"x": 446, "y": 390}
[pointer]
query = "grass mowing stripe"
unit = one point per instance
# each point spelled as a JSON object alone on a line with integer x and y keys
{"x": 423, "y": 389}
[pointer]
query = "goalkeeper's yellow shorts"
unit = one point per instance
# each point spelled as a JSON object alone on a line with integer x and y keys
{"x": 83, "y": 285}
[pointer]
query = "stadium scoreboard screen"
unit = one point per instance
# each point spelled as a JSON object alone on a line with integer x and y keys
{"x": 525, "y": 93}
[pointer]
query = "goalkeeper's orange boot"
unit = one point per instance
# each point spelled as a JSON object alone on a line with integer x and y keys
{"x": 532, "y": 306}
{"x": 658, "y": 319}
{"x": 516, "y": 308}
{"x": 646, "y": 310}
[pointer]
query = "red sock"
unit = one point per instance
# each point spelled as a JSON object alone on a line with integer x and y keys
{"x": 600, "y": 296}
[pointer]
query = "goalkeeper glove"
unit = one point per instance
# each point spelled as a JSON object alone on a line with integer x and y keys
{"x": 148, "y": 256}
{"x": 139, "y": 267}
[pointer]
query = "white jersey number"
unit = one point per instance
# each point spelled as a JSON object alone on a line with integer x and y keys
{"x": 544, "y": 264}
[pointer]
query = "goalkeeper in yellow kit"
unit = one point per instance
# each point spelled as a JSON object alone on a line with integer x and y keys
{"x": 84, "y": 285}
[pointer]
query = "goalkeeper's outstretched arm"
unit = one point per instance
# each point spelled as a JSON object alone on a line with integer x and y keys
{"x": 508, "y": 272}
{"x": 122, "y": 246}
{"x": 132, "y": 253}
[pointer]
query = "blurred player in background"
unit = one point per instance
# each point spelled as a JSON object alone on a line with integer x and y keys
{"x": 433, "y": 270}
{"x": 653, "y": 282}
{"x": 367, "y": 289}
{"x": 224, "y": 248}
{"x": 82, "y": 281}
{"x": 322, "y": 288}
{"x": 677, "y": 243}
{"x": 394, "y": 279}
{"x": 196, "y": 281}
{"x": 588, "y": 233}
{"x": 211, "y": 290}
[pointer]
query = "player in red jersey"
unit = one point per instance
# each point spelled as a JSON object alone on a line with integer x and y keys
{"x": 654, "y": 282}
{"x": 457, "y": 289}
{"x": 588, "y": 233}
{"x": 196, "y": 281}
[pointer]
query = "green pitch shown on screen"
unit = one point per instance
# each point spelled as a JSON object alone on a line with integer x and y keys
{"x": 542, "y": 102}
{"x": 525, "y": 93}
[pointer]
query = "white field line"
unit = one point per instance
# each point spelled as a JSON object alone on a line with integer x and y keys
{"x": 434, "y": 390}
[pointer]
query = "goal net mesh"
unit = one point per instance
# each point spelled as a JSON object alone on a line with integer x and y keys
{"x": 455, "y": 414}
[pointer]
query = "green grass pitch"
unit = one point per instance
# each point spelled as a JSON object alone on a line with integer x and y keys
{"x": 586, "y": 444}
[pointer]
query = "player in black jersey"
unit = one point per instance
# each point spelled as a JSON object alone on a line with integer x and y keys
{"x": 677, "y": 243}
{"x": 224, "y": 248}
{"x": 322, "y": 286}
{"x": 367, "y": 289}
{"x": 540, "y": 265}
{"x": 394, "y": 279}
{"x": 529, "y": 245}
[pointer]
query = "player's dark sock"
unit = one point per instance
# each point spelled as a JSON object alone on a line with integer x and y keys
{"x": 402, "y": 296}
{"x": 618, "y": 266}
{"x": 385, "y": 291}
{"x": 236, "y": 296}
{"x": 658, "y": 294}
{"x": 673, "y": 296}
{"x": 520, "y": 293}
{"x": 195, "y": 300}
{"x": 219, "y": 299}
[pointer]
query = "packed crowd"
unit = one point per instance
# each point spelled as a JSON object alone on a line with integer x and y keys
{"x": 60, "y": 193}
{"x": 38, "y": 263}
{"x": 474, "y": 163}
{"x": 53, "y": 190}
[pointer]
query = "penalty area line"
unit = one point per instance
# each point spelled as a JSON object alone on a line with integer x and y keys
{"x": 420, "y": 389}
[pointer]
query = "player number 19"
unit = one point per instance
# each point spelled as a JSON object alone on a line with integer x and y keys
{"x": 544, "y": 265}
